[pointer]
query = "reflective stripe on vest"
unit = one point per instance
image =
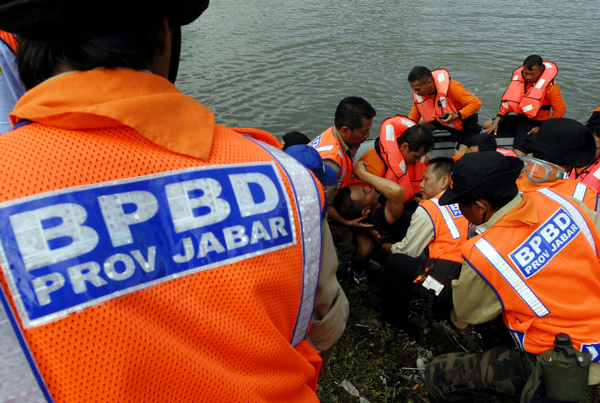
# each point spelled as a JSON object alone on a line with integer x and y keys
{"x": 579, "y": 192}
{"x": 307, "y": 198}
{"x": 448, "y": 219}
{"x": 573, "y": 212}
{"x": 20, "y": 375}
{"x": 511, "y": 277}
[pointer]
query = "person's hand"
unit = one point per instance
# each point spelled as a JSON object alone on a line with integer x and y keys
{"x": 378, "y": 237}
{"x": 534, "y": 130}
{"x": 451, "y": 118}
{"x": 358, "y": 222}
{"x": 359, "y": 169}
{"x": 387, "y": 247}
{"x": 493, "y": 127}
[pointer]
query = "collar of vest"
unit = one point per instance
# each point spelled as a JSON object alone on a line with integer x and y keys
{"x": 146, "y": 102}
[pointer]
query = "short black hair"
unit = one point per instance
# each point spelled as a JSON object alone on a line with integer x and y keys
{"x": 442, "y": 166}
{"x": 534, "y": 60}
{"x": 419, "y": 73}
{"x": 417, "y": 137}
{"x": 351, "y": 111}
{"x": 498, "y": 200}
{"x": 485, "y": 142}
{"x": 346, "y": 207}
{"x": 132, "y": 47}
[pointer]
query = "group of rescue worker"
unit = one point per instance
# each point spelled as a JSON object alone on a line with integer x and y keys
{"x": 150, "y": 254}
{"x": 468, "y": 233}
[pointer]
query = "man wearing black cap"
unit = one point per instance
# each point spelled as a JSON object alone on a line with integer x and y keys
{"x": 148, "y": 254}
{"x": 537, "y": 265}
{"x": 558, "y": 147}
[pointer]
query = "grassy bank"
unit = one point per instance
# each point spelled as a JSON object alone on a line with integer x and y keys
{"x": 379, "y": 361}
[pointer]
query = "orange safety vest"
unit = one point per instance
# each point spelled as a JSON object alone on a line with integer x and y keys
{"x": 567, "y": 187}
{"x": 528, "y": 103}
{"x": 409, "y": 176}
{"x": 546, "y": 275}
{"x": 450, "y": 230}
{"x": 330, "y": 149}
{"x": 589, "y": 175}
{"x": 431, "y": 109}
{"x": 135, "y": 273}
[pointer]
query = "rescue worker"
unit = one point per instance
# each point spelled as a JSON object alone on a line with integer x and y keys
{"x": 337, "y": 146}
{"x": 590, "y": 175}
{"x": 560, "y": 145}
{"x": 11, "y": 87}
{"x": 485, "y": 142}
{"x": 444, "y": 104}
{"x": 442, "y": 230}
{"x": 399, "y": 154}
{"x": 537, "y": 265}
{"x": 382, "y": 202}
{"x": 533, "y": 96}
{"x": 149, "y": 254}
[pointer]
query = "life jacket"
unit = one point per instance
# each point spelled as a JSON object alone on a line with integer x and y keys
{"x": 589, "y": 175}
{"x": 546, "y": 274}
{"x": 330, "y": 149}
{"x": 566, "y": 187}
{"x": 450, "y": 230}
{"x": 431, "y": 109}
{"x": 506, "y": 152}
{"x": 527, "y": 103}
{"x": 131, "y": 272}
{"x": 409, "y": 176}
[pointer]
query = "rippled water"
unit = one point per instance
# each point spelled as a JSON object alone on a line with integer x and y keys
{"x": 283, "y": 65}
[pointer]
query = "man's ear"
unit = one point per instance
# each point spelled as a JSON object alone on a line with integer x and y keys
{"x": 366, "y": 211}
{"x": 445, "y": 182}
{"x": 483, "y": 206}
{"x": 344, "y": 131}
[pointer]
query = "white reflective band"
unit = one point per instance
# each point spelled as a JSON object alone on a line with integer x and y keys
{"x": 540, "y": 83}
{"x": 511, "y": 277}
{"x": 597, "y": 173}
{"x": 443, "y": 101}
{"x": 422, "y": 159}
{"x": 408, "y": 123}
{"x": 18, "y": 371}
{"x": 324, "y": 148}
{"x": 573, "y": 212}
{"x": 505, "y": 104}
{"x": 419, "y": 98}
{"x": 403, "y": 166}
{"x": 309, "y": 211}
{"x": 548, "y": 65}
{"x": 580, "y": 190}
{"x": 389, "y": 133}
{"x": 527, "y": 108}
{"x": 516, "y": 77}
{"x": 448, "y": 219}
{"x": 441, "y": 77}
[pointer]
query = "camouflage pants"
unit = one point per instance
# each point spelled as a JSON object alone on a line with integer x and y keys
{"x": 459, "y": 377}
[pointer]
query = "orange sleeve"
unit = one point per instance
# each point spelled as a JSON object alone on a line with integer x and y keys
{"x": 556, "y": 102}
{"x": 375, "y": 165}
{"x": 414, "y": 114}
{"x": 9, "y": 39}
{"x": 597, "y": 109}
{"x": 466, "y": 103}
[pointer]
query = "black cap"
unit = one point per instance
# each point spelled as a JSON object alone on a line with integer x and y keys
{"x": 41, "y": 17}
{"x": 564, "y": 142}
{"x": 293, "y": 138}
{"x": 483, "y": 174}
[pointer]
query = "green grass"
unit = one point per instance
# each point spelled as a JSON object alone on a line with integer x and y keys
{"x": 369, "y": 353}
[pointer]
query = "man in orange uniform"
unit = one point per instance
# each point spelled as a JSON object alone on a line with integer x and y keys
{"x": 444, "y": 104}
{"x": 537, "y": 265}
{"x": 558, "y": 147}
{"x": 441, "y": 229}
{"x": 148, "y": 254}
{"x": 590, "y": 175}
{"x": 533, "y": 96}
{"x": 398, "y": 154}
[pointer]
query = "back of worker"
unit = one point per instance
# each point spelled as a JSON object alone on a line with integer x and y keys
{"x": 177, "y": 261}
